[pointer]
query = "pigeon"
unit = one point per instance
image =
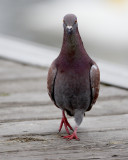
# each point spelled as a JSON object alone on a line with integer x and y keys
{"x": 73, "y": 78}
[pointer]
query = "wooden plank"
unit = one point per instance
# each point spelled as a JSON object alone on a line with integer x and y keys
{"x": 34, "y": 111}
{"x": 46, "y": 127}
{"x": 28, "y": 113}
{"x": 112, "y": 107}
{"x": 13, "y": 71}
{"x": 111, "y": 92}
{"x": 39, "y": 97}
{"x": 101, "y": 138}
{"x": 94, "y": 145}
{"x": 24, "y": 85}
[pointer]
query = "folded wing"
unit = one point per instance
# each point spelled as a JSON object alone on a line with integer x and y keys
{"x": 95, "y": 83}
{"x": 51, "y": 80}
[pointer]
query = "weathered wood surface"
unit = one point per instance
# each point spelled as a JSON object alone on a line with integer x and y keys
{"x": 29, "y": 121}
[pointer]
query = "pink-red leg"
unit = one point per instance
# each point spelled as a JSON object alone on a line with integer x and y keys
{"x": 73, "y": 135}
{"x": 65, "y": 122}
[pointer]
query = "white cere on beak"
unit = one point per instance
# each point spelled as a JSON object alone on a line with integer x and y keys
{"x": 69, "y": 27}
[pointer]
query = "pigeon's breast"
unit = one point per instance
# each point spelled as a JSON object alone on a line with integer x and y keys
{"x": 72, "y": 88}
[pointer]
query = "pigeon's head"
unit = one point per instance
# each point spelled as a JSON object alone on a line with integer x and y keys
{"x": 70, "y": 23}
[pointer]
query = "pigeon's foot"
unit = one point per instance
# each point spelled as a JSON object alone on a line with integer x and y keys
{"x": 65, "y": 122}
{"x": 72, "y": 136}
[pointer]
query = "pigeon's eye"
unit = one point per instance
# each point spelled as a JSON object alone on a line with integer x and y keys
{"x": 63, "y": 21}
{"x": 75, "y": 21}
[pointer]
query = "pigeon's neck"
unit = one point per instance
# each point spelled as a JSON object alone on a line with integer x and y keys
{"x": 72, "y": 45}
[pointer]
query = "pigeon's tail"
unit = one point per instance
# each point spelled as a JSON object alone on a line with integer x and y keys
{"x": 79, "y": 114}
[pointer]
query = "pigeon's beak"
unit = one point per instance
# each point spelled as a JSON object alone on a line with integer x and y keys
{"x": 69, "y": 29}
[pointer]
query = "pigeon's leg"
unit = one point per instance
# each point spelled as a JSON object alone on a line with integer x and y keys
{"x": 65, "y": 122}
{"x": 73, "y": 135}
{"x": 79, "y": 114}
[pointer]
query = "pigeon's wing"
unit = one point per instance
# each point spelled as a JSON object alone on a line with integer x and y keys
{"x": 51, "y": 80}
{"x": 95, "y": 83}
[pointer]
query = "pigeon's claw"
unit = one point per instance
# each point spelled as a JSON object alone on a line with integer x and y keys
{"x": 65, "y": 122}
{"x": 72, "y": 136}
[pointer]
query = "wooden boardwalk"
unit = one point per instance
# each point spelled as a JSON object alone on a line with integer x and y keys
{"x": 29, "y": 122}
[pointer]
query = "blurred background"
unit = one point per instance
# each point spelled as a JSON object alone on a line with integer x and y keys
{"x": 103, "y": 24}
